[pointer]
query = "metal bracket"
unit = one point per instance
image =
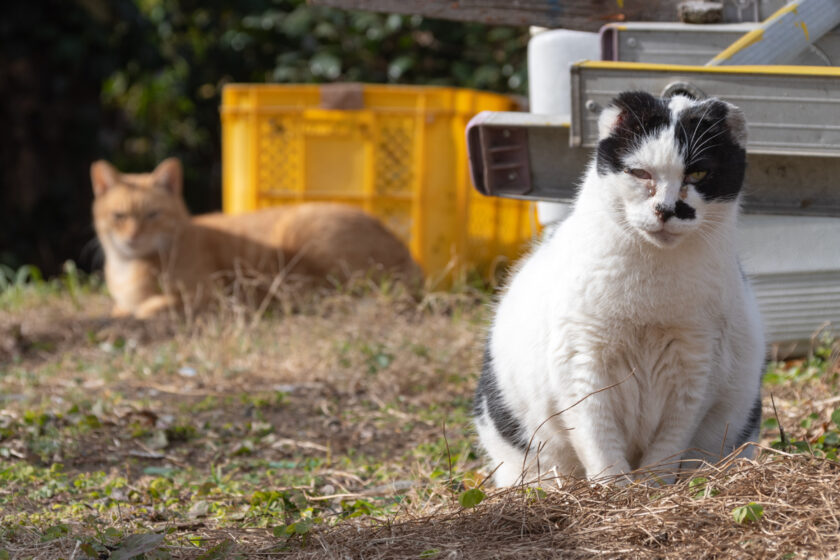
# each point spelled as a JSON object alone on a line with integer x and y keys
{"x": 503, "y": 165}
{"x": 522, "y": 155}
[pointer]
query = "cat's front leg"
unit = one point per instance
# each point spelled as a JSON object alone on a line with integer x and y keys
{"x": 119, "y": 312}
{"x": 677, "y": 426}
{"x": 156, "y": 305}
{"x": 596, "y": 436}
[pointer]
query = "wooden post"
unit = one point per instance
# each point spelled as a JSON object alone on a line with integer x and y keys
{"x": 584, "y": 15}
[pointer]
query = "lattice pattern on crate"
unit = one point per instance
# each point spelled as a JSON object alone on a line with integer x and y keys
{"x": 498, "y": 226}
{"x": 394, "y": 165}
{"x": 279, "y": 155}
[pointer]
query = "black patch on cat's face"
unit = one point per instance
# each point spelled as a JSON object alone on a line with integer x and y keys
{"x": 642, "y": 115}
{"x": 683, "y": 211}
{"x": 750, "y": 429}
{"x": 488, "y": 393}
{"x": 707, "y": 145}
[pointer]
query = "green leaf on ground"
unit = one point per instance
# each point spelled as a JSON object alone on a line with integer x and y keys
{"x": 135, "y": 545}
{"x": 471, "y": 498}
{"x": 218, "y": 552}
{"x": 55, "y": 532}
{"x": 748, "y": 513}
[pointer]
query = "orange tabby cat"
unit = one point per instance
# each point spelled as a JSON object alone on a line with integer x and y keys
{"x": 157, "y": 257}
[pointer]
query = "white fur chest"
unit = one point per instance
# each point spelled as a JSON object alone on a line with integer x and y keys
{"x": 606, "y": 279}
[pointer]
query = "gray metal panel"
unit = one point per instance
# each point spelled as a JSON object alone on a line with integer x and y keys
{"x": 787, "y": 113}
{"x": 794, "y": 265}
{"x": 796, "y": 185}
{"x": 795, "y": 306}
{"x": 556, "y": 169}
{"x": 680, "y": 43}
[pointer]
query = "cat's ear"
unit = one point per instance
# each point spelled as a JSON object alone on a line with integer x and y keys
{"x": 737, "y": 124}
{"x": 103, "y": 176}
{"x": 169, "y": 175}
{"x": 608, "y": 120}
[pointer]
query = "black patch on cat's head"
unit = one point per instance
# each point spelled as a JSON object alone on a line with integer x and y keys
{"x": 488, "y": 395}
{"x": 639, "y": 115}
{"x": 711, "y": 137}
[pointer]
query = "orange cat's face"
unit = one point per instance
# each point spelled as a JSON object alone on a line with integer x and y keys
{"x": 137, "y": 215}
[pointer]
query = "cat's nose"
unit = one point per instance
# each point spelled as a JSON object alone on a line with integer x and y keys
{"x": 663, "y": 212}
{"x": 132, "y": 232}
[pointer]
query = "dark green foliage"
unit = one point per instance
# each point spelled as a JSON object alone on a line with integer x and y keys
{"x": 54, "y": 58}
{"x": 135, "y": 81}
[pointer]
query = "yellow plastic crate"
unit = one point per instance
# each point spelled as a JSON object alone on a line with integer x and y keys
{"x": 399, "y": 153}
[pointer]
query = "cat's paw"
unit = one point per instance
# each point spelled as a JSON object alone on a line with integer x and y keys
{"x": 654, "y": 479}
{"x": 118, "y": 312}
{"x": 620, "y": 479}
{"x": 156, "y": 306}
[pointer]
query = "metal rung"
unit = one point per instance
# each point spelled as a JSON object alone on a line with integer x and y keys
{"x": 782, "y": 36}
{"x": 687, "y": 44}
{"x": 787, "y": 103}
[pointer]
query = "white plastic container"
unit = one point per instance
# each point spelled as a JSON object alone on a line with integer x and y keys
{"x": 550, "y": 53}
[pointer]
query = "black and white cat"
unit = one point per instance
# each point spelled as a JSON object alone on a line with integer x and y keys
{"x": 639, "y": 290}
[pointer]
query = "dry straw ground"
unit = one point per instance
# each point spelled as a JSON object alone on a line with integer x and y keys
{"x": 339, "y": 427}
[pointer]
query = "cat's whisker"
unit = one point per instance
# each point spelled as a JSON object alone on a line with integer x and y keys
{"x": 697, "y": 126}
{"x": 706, "y": 142}
{"x": 710, "y": 128}
{"x": 94, "y": 251}
{"x": 696, "y": 156}
{"x": 638, "y": 120}
{"x": 684, "y": 147}
{"x": 704, "y": 148}
{"x": 707, "y": 238}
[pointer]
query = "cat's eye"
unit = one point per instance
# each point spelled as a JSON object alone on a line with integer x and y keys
{"x": 638, "y": 173}
{"x": 151, "y": 215}
{"x": 119, "y": 216}
{"x": 695, "y": 177}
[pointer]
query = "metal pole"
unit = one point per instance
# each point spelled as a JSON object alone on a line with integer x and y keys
{"x": 782, "y": 36}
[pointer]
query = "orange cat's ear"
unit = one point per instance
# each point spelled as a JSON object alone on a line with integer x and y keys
{"x": 103, "y": 176}
{"x": 169, "y": 176}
